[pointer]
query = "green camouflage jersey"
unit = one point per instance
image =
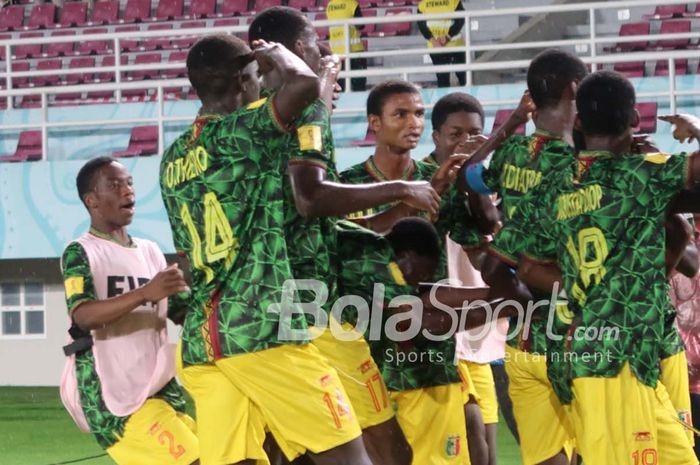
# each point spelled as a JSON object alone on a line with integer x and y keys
{"x": 520, "y": 169}
{"x": 222, "y": 185}
{"x": 606, "y": 233}
{"x": 311, "y": 241}
{"x": 365, "y": 260}
{"x": 106, "y": 426}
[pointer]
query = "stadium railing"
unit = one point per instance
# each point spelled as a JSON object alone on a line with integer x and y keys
{"x": 589, "y": 48}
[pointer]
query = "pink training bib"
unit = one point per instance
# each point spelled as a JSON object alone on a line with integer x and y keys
{"x": 133, "y": 358}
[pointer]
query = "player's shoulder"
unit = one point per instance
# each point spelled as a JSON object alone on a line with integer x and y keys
{"x": 75, "y": 247}
{"x": 354, "y": 172}
{"x": 425, "y": 170}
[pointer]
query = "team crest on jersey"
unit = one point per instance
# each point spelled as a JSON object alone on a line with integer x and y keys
{"x": 453, "y": 446}
{"x": 643, "y": 436}
{"x": 366, "y": 366}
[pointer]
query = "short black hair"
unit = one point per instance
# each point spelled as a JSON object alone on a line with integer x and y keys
{"x": 606, "y": 104}
{"x": 550, "y": 73}
{"x": 85, "y": 181}
{"x": 379, "y": 93}
{"x": 417, "y": 235}
{"x": 279, "y": 24}
{"x": 453, "y": 103}
{"x": 213, "y": 61}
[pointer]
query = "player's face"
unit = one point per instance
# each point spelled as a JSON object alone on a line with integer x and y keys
{"x": 417, "y": 268}
{"x": 113, "y": 199}
{"x": 308, "y": 46}
{"x": 455, "y": 131}
{"x": 402, "y": 121}
{"x": 250, "y": 83}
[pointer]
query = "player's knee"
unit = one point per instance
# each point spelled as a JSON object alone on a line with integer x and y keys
{"x": 476, "y": 430}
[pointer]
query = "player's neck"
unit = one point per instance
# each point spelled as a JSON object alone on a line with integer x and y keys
{"x": 392, "y": 162}
{"x": 557, "y": 120}
{"x": 219, "y": 107}
{"x": 116, "y": 233}
{"x": 439, "y": 156}
{"x": 617, "y": 145}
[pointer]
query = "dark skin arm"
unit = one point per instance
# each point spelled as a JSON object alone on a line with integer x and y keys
{"x": 301, "y": 85}
{"x": 678, "y": 235}
{"x": 97, "y": 313}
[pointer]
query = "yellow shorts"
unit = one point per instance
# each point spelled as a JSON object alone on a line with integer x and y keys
{"x": 359, "y": 374}
{"x": 674, "y": 376}
{"x": 485, "y": 387}
{"x": 468, "y": 385}
{"x": 289, "y": 390}
{"x": 433, "y": 421}
{"x": 621, "y": 420}
{"x": 156, "y": 433}
{"x": 544, "y": 425}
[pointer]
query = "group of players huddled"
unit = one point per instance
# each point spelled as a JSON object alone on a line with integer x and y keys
{"x": 254, "y": 201}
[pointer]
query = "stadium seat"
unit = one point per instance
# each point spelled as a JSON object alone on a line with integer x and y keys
{"x": 143, "y": 141}
{"x": 201, "y": 9}
{"x": 11, "y": 18}
{"x": 30, "y": 101}
{"x": 185, "y": 42}
{"x": 369, "y": 140}
{"x": 262, "y": 5}
{"x": 158, "y": 43}
{"x": 667, "y": 12}
{"x": 647, "y": 116}
{"x": 136, "y": 11}
{"x": 42, "y": 16}
{"x": 2, "y": 48}
{"x": 661, "y": 68}
{"x": 78, "y": 78}
{"x": 669, "y": 27}
{"x": 105, "y": 12}
{"x": 145, "y": 59}
{"x": 393, "y": 29}
{"x": 69, "y": 98}
{"x": 27, "y": 50}
{"x": 223, "y": 22}
{"x": 55, "y": 49}
{"x": 176, "y": 57}
{"x": 95, "y": 47}
{"x": 633, "y": 29}
{"x": 28, "y": 147}
{"x": 168, "y": 10}
{"x": 235, "y": 8}
{"x": 20, "y": 82}
{"x": 322, "y": 31}
{"x": 695, "y": 13}
{"x": 369, "y": 28}
{"x": 109, "y": 61}
{"x": 632, "y": 69}
{"x": 501, "y": 117}
{"x": 73, "y": 14}
{"x": 47, "y": 65}
{"x": 127, "y": 44}
{"x": 305, "y": 5}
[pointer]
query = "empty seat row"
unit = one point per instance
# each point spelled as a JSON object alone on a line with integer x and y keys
{"x": 636, "y": 69}
{"x": 643, "y": 28}
{"x": 674, "y": 11}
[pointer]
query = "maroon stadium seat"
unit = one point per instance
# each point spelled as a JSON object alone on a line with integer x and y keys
{"x": 136, "y": 11}
{"x": 262, "y": 5}
{"x": 28, "y": 147}
{"x": 633, "y": 29}
{"x": 109, "y": 60}
{"x": 667, "y": 12}
{"x": 47, "y": 65}
{"x": 631, "y": 69}
{"x": 145, "y": 59}
{"x": 647, "y": 116}
{"x": 322, "y": 31}
{"x": 201, "y": 9}
{"x": 55, "y": 49}
{"x": 694, "y": 13}
{"x": 143, "y": 141}
{"x": 176, "y": 57}
{"x": 27, "y": 50}
{"x": 168, "y": 9}
{"x": 11, "y": 18}
{"x": 393, "y": 29}
{"x": 305, "y": 5}
{"x": 127, "y": 44}
{"x": 185, "y": 42}
{"x": 42, "y": 16}
{"x": 95, "y": 47}
{"x": 73, "y": 14}
{"x": 235, "y": 8}
{"x": 78, "y": 78}
{"x": 369, "y": 139}
{"x": 661, "y": 68}
{"x": 2, "y": 47}
{"x": 222, "y": 22}
{"x": 153, "y": 43}
{"x": 501, "y": 117}
{"x": 23, "y": 81}
{"x": 670, "y": 27}
{"x": 105, "y": 12}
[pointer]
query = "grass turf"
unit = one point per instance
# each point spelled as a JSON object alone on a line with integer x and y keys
{"x": 36, "y": 430}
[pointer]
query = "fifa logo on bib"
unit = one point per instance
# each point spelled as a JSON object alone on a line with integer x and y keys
{"x": 453, "y": 446}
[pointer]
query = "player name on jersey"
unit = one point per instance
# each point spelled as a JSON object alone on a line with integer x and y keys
{"x": 193, "y": 164}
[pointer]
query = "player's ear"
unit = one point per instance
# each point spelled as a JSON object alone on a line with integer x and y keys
{"x": 299, "y": 49}
{"x": 374, "y": 122}
{"x": 435, "y": 135}
{"x": 90, "y": 200}
{"x": 636, "y": 119}
{"x": 570, "y": 91}
{"x": 577, "y": 123}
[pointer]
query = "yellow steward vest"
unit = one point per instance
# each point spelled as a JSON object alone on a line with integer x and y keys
{"x": 343, "y": 9}
{"x": 440, "y": 27}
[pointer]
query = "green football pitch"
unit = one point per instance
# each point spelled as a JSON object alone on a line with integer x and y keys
{"x": 36, "y": 430}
